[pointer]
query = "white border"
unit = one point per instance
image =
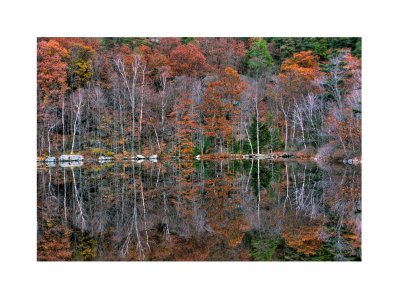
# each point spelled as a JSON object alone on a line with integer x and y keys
{"x": 22, "y": 21}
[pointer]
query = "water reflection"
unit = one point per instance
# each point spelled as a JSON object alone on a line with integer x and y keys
{"x": 225, "y": 210}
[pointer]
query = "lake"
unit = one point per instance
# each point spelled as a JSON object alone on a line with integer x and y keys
{"x": 228, "y": 210}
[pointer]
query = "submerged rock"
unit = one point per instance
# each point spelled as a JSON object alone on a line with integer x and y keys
{"x": 258, "y": 156}
{"x": 268, "y": 155}
{"x": 138, "y": 161}
{"x": 71, "y": 157}
{"x": 348, "y": 161}
{"x": 71, "y": 164}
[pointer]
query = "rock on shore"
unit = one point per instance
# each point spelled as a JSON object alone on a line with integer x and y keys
{"x": 50, "y": 159}
{"x": 71, "y": 157}
{"x": 352, "y": 161}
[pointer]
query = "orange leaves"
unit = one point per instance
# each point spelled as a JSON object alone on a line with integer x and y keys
{"x": 304, "y": 239}
{"x": 305, "y": 60}
{"x": 54, "y": 244}
{"x": 186, "y": 125}
{"x": 220, "y": 113}
{"x": 301, "y": 73}
{"x": 231, "y": 84}
{"x": 223, "y": 214}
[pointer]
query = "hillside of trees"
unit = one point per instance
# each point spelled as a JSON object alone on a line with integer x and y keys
{"x": 180, "y": 97}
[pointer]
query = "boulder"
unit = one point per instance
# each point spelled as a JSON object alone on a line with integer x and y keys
{"x": 103, "y": 159}
{"x": 348, "y": 161}
{"x": 50, "y": 159}
{"x": 138, "y": 157}
{"x": 71, "y": 157}
{"x": 197, "y": 157}
{"x": 106, "y": 158}
{"x": 153, "y": 156}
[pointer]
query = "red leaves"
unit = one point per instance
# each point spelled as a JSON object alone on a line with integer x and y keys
{"x": 188, "y": 60}
{"x": 222, "y": 52}
{"x": 52, "y": 74}
{"x": 353, "y": 67}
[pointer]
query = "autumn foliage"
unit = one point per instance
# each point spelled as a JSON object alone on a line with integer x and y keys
{"x": 132, "y": 95}
{"x": 220, "y": 106}
{"x": 188, "y": 60}
{"x": 52, "y": 66}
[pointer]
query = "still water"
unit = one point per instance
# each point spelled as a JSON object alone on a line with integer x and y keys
{"x": 199, "y": 211}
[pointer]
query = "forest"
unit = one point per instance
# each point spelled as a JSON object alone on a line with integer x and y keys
{"x": 215, "y": 97}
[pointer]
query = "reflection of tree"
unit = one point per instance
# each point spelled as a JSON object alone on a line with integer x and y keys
{"x": 54, "y": 242}
{"x": 81, "y": 217}
{"x": 344, "y": 200}
{"x": 320, "y": 211}
{"x": 303, "y": 210}
{"x": 305, "y": 237}
{"x": 225, "y": 210}
{"x": 186, "y": 199}
{"x": 53, "y": 233}
{"x": 223, "y": 206}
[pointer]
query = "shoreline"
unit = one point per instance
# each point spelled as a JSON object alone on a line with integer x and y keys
{"x": 278, "y": 156}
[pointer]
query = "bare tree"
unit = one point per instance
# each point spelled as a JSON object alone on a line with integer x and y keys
{"x": 130, "y": 85}
{"x": 78, "y": 106}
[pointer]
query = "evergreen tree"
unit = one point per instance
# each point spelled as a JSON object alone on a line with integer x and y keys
{"x": 259, "y": 58}
{"x": 269, "y": 136}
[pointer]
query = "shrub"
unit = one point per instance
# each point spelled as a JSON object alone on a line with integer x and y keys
{"x": 100, "y": 152}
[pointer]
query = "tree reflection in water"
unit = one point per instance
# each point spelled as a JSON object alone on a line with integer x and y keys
{"x": 222, "y": 210}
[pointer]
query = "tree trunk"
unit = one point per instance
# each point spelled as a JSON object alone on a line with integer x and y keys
{"x": 248, "y": 138}
{"x": 257, "y": 128}
{"x": 141, "y": 108}
{"x": 63, "y": 124}
{"x": 80, "y": 99}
